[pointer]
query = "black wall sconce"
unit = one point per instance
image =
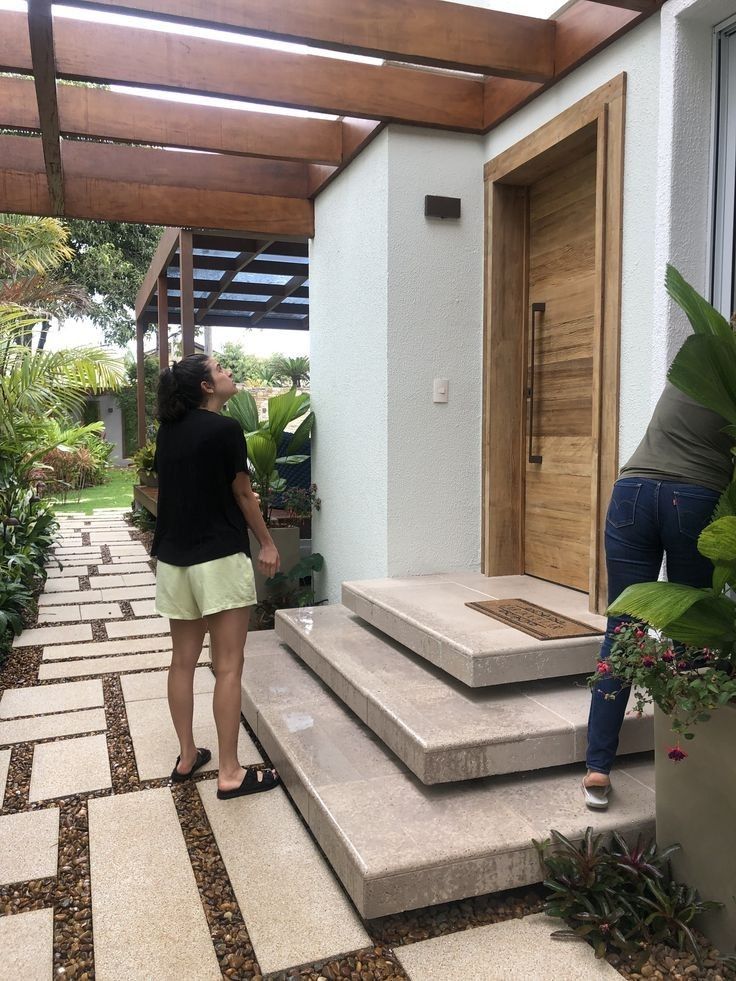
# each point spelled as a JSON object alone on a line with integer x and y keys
{"x": 439, "y": 207}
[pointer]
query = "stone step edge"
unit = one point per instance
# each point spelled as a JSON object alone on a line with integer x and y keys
{"x": 368, "y": 890}
{"x": 574, "y": 656}
{"x": 484, "y": 757}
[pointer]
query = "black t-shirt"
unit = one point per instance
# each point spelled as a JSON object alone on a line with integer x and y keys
{"x": 197, "y": 460}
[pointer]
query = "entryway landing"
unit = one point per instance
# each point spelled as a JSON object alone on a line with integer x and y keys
{"x": 428, "y": 614}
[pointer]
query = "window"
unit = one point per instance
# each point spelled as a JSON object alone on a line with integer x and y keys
{"x": 723, "y": 278}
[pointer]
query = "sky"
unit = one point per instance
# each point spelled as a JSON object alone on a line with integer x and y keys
{"x": 259, "y": 342}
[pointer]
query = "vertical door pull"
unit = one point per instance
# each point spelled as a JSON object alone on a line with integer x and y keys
{"x": 537, "y": 308}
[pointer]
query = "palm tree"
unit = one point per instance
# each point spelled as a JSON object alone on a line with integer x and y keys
{"x": 295, "y": 370}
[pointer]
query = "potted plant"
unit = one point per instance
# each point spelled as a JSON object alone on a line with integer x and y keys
{"x": 680, "y": 649}
{"x": 299, "y": 503}
{"x": 143, "y": 461}
{"x": 263, "y": 438}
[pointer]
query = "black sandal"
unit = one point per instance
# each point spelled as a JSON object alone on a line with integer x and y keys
{"x": 203, "y": 758}
{"x": 251, "y": 784}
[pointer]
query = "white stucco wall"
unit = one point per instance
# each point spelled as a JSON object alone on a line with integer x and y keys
{"x": 348, "y": 297}
{"x": 112, "y": 419}
{"x": 435, "y": 330}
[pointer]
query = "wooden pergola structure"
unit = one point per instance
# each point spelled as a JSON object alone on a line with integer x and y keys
{"x": 198, "y": 278}
{"x": 98, "y": 153}
{"x": 93, "y": 153}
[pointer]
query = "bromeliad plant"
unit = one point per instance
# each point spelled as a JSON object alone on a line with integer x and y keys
{"x": 681, "y": 649}
{"x": 263, "y": 438}
{"x": 618, "y": 897}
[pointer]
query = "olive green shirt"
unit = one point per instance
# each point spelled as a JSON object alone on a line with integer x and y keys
{"x": 684, "y": 443}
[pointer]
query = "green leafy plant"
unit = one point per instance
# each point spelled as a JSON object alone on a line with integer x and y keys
{"x": 288, "y": 590}
{"x": 616, "y": 896}
{"x": 143, "y": 458}
{"x": 682, "y": 648}
{"x": 301, "y": 501}
{"x": 264, "y": 437}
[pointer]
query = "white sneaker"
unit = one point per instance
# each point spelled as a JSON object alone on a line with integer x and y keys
{"x": 596, "y": 797}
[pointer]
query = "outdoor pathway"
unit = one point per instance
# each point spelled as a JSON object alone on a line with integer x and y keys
{"x": 109, "y": 872}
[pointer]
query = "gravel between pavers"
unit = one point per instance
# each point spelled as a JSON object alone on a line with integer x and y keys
{"x": 69, "y": 894}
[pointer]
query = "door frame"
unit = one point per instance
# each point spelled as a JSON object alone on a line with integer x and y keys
{"x": 597, "y": 120}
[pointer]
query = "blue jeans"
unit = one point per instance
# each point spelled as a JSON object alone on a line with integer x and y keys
{"x": 646, "y": 520}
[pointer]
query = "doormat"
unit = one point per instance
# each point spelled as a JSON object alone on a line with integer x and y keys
{"x": 534, "y": 620}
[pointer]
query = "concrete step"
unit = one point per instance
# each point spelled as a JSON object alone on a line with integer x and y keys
{"x": 441, "y": 729}
{"x": 396, "y": 843}
{"x": 428, "y": 615}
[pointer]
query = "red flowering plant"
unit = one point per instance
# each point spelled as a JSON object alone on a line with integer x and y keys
{"x": 679, "y": 651}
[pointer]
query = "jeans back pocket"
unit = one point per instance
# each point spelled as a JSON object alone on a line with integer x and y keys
{"x": 622, "y": 508}
{"x": 694, "y": 510}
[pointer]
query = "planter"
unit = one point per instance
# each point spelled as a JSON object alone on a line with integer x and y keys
{"x": 148, "y": 478}
{"x": 286, "y": 541}
{"x": 696, "y": 807}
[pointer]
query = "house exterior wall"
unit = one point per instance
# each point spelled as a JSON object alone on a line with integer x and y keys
{"x": 397, "y": 300}
{"x": 348, "y": 296}
{"x": 112, "y": 419}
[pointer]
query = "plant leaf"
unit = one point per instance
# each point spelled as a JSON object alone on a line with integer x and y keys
{"x": 705, "y": 319}
{"x": 704, "y": 368}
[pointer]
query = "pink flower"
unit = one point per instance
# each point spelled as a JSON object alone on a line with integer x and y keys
{"x": 682, "y": 665}
{"x": 618, "y": 629}
{"x": 676, "y": 754}
{"x": 603, "y": 667}
{"x": 669, "y": 655}
{"x": 648, "y": 661}
{"x": 638, "y": 633}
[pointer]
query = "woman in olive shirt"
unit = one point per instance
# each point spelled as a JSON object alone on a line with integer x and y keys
{"x": 664, "y": 497}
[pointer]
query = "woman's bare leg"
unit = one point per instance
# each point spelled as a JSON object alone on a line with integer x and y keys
{"x": 186, "y": 642}
{"x": 228, "y": 633}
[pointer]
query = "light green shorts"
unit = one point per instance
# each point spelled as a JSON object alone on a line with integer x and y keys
{"x": 190, "y": 592}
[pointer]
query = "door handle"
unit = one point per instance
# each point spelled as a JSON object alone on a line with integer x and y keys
{"x": 537, "y": 308}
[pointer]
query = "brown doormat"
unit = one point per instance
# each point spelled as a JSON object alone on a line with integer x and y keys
{"x": 534, "y": 620}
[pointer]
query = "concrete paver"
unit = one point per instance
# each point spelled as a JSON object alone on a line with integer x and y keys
{"x": 144, "y": 608}
{"x": 132, "y": 564}
{"x": 154, "y": 739}
{"x": 70, "y": 766}
{"x": 107, "y": 648}
{"x": 279, "y": 878}
{"x": 65, "y": 584}
{"x": 67, "y": 572}
{"x": 4, "y": 765}
{"x": 53, "y": 635}
{"x": 139, "y": 578}
{"x": 77, "y": 596}
{"x": 101, "y": 611}
{"x": 515, "y": 950}
{"x": 38, "y": 727}
{"x": 68, "y": 613}
{"x": 42, "y": 699}
{"x": 26, "y": 940}
{"x": 107, "y": 581}
{"x": 143, "y": 890}
{"x": 128, "y": 593}
{"x": 110, "y": 665}
{"x": 137, "y": 628}
{"x": 152, "y": 684}
{"x": 29, "y": 845}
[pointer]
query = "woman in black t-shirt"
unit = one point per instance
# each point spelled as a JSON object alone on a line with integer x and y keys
{"x": 204, "y": 576}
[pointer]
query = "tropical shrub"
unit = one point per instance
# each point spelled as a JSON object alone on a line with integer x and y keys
{"x": 263, "y": 438}
{"x": 618, "y": 897}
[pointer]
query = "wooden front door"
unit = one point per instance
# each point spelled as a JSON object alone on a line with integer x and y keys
{"x": 559, "y": 411}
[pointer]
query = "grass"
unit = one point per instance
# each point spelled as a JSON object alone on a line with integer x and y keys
{"x": 117, "y": 493}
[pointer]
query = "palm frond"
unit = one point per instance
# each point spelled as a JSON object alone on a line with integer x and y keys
{"x": 32, "y": 244}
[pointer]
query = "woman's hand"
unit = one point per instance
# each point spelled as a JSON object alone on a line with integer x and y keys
{"x": 269, "y": 561}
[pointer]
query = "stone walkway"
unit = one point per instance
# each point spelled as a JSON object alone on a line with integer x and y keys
{"x": 109, "y": 872}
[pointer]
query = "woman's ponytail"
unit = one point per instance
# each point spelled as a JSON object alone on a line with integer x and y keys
{"x": 180, "y": 387}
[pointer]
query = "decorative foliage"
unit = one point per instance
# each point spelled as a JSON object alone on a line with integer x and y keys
{"x": 616, "y": 896}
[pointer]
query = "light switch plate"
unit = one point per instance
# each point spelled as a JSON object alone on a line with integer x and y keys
{"x": 441, "y": 390}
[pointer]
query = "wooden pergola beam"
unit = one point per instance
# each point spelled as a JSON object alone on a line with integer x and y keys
{"x": 241, "y": 262}
{"x": 248, "y": 289}
{"x": 203, "y": 171}
{"x": 21, "y": 163}
{"x": 119, "y": 116}
{"x": 582, "y": 30}
{"x": 140, "y": 329}
{"x": 294, "y": 283}
{"x": 41, "y": 35}
{"x": 423, "y": 32}
{"x": 186, "y": 299}
{"x": 162, "y": 321}
{"x": 103, "y": 53}
{"x": 167, "y": 246}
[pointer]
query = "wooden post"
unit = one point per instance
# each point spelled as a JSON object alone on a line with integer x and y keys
{"x": 163, "y": 321}
{"x": 186, "y": 287}
{"x": 140, "y": 383}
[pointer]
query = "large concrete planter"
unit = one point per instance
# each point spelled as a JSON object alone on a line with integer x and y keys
{"x": 696, "y": 807}
{"x": 286, "y": 541}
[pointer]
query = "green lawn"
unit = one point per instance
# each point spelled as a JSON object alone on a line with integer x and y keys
{"x": 117, "y": 493}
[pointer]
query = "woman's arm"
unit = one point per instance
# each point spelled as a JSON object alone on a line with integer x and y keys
{"x": 269, "y": 562}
